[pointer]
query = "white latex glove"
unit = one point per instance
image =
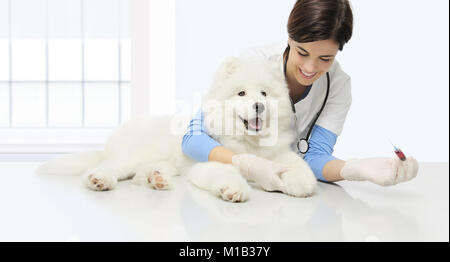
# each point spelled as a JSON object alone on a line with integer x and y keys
{"x": 381, "y": 171}
{"x": 264, "y": 172}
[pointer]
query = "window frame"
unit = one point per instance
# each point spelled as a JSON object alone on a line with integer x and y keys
{"x": 148, "y": 40}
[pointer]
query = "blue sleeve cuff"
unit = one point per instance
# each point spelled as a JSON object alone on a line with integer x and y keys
{"x": 198, "y": 147}
{"x": 321, "y": 146}
{"x": 317, "y": 165}
{"x": 197, "y": 144}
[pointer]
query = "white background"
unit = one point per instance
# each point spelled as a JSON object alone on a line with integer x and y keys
{"x": 397, "y": 58}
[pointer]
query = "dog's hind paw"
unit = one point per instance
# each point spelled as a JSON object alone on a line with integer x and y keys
{"x": 100, "y": 183}
{"x": 158, "y": 180}
{"x": 156, "y": 176}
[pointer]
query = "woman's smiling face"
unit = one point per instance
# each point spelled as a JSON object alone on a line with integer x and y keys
{"x": 309, "y": 61}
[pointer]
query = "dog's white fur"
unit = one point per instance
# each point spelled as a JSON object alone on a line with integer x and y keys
{"x": 147, "y": 150}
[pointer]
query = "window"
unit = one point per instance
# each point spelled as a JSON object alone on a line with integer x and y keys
{"x": 64, "y": 71}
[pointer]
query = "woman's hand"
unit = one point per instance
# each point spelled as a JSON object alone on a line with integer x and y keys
{"x": 381, "y": 171}
{"x": 264, "y": 172}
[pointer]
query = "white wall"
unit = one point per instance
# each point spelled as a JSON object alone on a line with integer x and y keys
{"x": 210, "y": 30}
{"x": 398, "y": 60}
{"x": 153, "y": 58}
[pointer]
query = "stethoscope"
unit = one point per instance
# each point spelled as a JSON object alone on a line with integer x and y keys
{"x": 303, "y": 143}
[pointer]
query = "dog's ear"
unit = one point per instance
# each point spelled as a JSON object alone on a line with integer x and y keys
{"x": 229, "y": 66}
{"x": 273, "y": 64}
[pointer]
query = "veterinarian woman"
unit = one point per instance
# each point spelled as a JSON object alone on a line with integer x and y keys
{"x": 317, "y": 30}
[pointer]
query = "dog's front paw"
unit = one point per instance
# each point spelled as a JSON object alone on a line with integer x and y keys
{"x": 234, "y": 189}
{"x": 232, "y": 195}
{"x": 98, "y": 182}
{"x": 299, "y": 183}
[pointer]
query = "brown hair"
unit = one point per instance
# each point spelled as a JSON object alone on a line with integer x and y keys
{"x": 316, "y": 20}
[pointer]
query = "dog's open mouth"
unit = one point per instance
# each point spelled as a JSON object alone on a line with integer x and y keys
{"x": 255, "y": 124}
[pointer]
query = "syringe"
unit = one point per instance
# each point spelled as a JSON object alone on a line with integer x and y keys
{"x": 399, "y": 152}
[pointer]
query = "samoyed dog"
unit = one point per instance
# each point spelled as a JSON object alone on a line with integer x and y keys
{"x": 247, "y": 110}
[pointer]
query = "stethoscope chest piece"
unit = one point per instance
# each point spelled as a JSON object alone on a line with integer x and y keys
{"x": 303, "y": 146}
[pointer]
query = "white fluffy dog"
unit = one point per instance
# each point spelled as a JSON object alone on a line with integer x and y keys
{"x": 148, "y": 150}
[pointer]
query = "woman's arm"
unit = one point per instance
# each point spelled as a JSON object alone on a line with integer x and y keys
{"x": 319, "y": 157}
{"x": 381, "y": 171}
{"x": 331, "y": 170}
{"x": 198, "y": 145}
{"x": 221, "y": 154}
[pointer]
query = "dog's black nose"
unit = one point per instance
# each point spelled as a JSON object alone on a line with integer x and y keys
{"x": 259, "y": 108}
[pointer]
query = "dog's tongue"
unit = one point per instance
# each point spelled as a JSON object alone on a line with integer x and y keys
{"x": 255, "y": 123}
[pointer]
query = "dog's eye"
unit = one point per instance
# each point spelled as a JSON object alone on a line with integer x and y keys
{"x": 243, "y": 93}
{"x": 263, "y": 93}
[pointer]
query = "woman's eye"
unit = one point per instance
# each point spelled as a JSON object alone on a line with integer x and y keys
{"x": 325, "y": 60}
{"x": 242, "y": 93}
{"x": 302, "y": 54}
{"x": 263, "y": 93}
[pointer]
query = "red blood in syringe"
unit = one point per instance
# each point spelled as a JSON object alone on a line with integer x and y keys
{"x": 400, "y": 154}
